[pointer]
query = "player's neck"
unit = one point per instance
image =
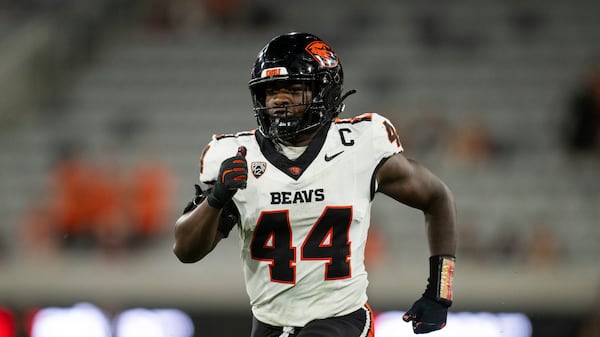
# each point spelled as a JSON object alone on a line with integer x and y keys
{"x": 291, "y": 152}
{"x": 295, "y": 148}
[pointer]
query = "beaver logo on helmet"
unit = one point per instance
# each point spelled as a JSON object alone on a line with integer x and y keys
{"x": 322, "y": 53}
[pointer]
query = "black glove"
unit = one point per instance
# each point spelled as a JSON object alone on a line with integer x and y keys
{"x": 426, "y": 315}
{"x": 430, "y": 311}
{"x": 233, "y": 175}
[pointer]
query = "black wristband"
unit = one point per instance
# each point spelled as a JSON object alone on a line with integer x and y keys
{"x": 441, "y": 276}
{"x": 214, "y": 202}
{"x": 230, "y": 216}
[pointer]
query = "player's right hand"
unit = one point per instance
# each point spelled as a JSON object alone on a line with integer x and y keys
{"x": 233, "y": 175}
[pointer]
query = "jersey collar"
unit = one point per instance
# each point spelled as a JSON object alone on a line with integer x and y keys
{"x": 293, "y": 168}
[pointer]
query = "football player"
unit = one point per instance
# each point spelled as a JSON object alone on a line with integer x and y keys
{"x": 299, "y": 190}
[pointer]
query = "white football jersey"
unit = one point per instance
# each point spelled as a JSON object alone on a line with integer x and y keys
{"x": 304, "y": 222}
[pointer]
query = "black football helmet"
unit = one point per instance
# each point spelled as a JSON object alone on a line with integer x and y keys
{"x": 298, "y": 57}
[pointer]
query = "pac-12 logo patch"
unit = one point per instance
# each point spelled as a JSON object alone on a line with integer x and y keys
{"x": 258, "y": 168}
{"x": 322, "y": 53}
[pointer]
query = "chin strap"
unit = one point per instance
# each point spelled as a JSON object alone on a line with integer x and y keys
{"x": 348, "y": 93}
{"x": 341, "y": 105}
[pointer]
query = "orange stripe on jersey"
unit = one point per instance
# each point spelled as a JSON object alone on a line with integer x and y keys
{"x": 360, "y": 118}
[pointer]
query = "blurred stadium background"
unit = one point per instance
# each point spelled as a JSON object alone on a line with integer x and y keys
{"x": 116, "y": 99}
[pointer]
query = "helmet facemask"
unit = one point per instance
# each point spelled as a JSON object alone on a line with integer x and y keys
{"x": 282, "y": 122}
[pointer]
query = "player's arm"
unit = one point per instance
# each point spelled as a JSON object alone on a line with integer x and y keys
{"x": 197, "y": 230}
{"x": 412, "y": 184}
{"x": 196, "y": 233}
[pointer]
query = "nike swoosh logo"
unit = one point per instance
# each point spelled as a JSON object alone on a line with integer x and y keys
{"x": 328, "y": 158}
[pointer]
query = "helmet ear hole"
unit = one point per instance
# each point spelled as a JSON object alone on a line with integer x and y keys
{"x": 337, "y": 78}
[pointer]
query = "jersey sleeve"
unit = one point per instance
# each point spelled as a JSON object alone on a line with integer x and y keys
{"x": 221, "y": 147}
{"x": 386, "y": 141}
{"x": 210, "y": 162}
{"x": 218, "y": 149}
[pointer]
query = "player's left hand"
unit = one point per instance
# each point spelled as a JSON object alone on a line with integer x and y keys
{"x": 233, "y": 175}
{"x": 427, "y": 315}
